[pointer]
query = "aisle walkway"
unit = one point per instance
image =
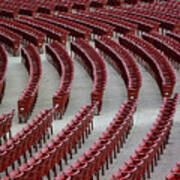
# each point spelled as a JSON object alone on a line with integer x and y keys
{"x": 147, "y": 110}
{"x": 171, "y": 155}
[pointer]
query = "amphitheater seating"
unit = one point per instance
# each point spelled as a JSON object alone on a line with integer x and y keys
{"x": 51, "y": 31}
{"x": 3, "y": 69}
{"x": 124, "y": 63}
{"x": 26, "y": 9}
{"x": 154, "y": 61}
{"x": 174, "y": 35}
{"x": 97, "y": 27}
{"x": 160, "y": 8}
{"x": 30, "y": 8}
{"x": 19, "y": 8}
{"x": 63, "y": 6}
{"x": 58, "y": 57}
{"x": 40, "y": 6}
{"x": 10, "y": 40}
{"x": 165, "y": 22}
{"x": 32, "y": 62}
{"x": 76, "y": 30}
{"x": 160, "y": 11}
{"x": 94, "y": 66}
{"x": 114, "y": 2}
{"x": 29, "y": 137}
{"x": 121, "y": 26}
{"x": 5, "y": 125}
{"x": 48, "y": 7}
{"x": 84, "y": 26}
{"x": 105, "y": 148}
{"x": 170, "y": 47}
{"x": 98, "y": 3}
{"x": 8, "y": 12}
{"x": 143, "y": 23}
{"x": 29, "y": 34}
{"x": 81, "y": 4}
{"x": 45, "y": 7}
{"x": 58, "y": 148}
{"x": 152, "y": 146}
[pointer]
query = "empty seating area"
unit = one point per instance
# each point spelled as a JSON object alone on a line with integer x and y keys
{"x": 98, "y": 28}
{"x": 121, "y": 26}
{"x": 60, "y": 59}
{"x": 74, "y": 29}
{"x": 166, "y": 22}
{"x": 94, "y": 66}
{"x": 58, "y": 148}
{"x": 123, "y": 63}
{"x": 167, "y": 45}
{"x": 105, "y": 148}
{"x": 28, "y": 34}
{"x": 11, "y": 40}
{"x": 143, "y": 23}
{"x": 155, "y": 62}
{"x": 27, "y": 101}
{"x": 33, "y": 135}
{"x": 89, "y": 89}
{"x": 174, "y": 36}
{"x": 52, "y": 32}
{"x": 142, "y": 162}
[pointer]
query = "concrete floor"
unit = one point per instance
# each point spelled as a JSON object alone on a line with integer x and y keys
{"x": 148, "y": 108}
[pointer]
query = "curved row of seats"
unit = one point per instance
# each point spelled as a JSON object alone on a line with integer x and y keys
{"x": 75, "y": 29}
{"x": 143, "y": 23}
{"x": 152, "y": 146}
{"x": 168, "y": 23}
{"x": 174, "y": 36}
{"x": 5, "y": 125}
{"x": 95, "y": 66}
{"x": 98, "y": 3}
{"x": 175, "y": 172}
{"x": 121, "y": 26}
{"x": 160, "y": 9}
{"x": 8, "y": 12}
{"x": 123, "y": 62}
{"x": 18, "y": 8}
{"x": 98, "y": 28}
{"x": 167, "y": 9}
{"x": 27, "y": 100}
{"x": 60, "y": 59}
{"x": 57, "y": 149}
{"x": 10, "y": 39}
{"x": 51, "y": 31}
{"x": 64, "y": 6}
{"x": 81, "y": 4}
{"x": 3, "y": 70}
{"x": 29, "y": 34}
{"x": 86, "y": 4}
{"x": 31, "y": 8}
{"x": 167, "y": 45}
{"x": 44, "y": 6}
{"x": 29, "y": 137}
{"x": 105, "y": 148}
{"x": 154, "y": 61}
